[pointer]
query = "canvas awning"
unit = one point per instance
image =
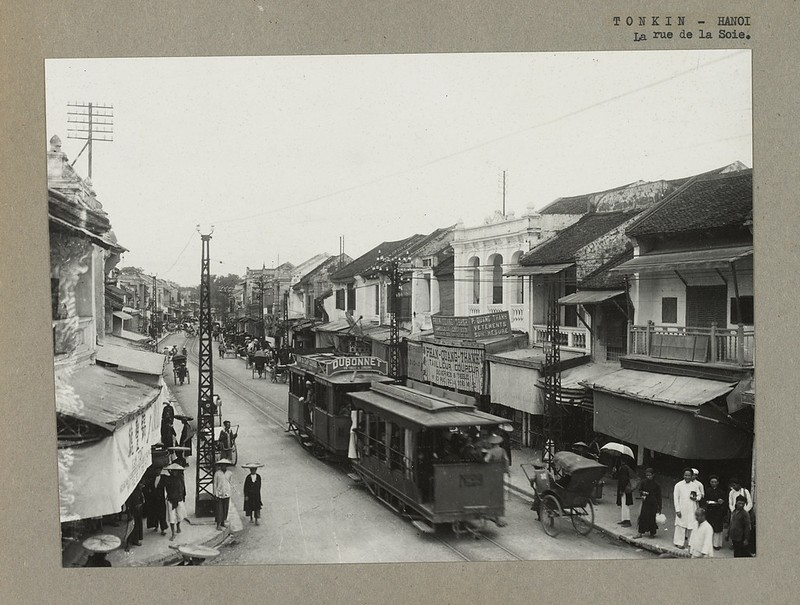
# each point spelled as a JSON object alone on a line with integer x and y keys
{"x": 131, "y": 360}
{"x": 676, "y": 391}
{"x": 712, "y": 258}
{"x": 96, "y": 478}
{"x": 669, "y": 430}
{"x": 122, "y": 315}
{"x": 589, "y": 297}
{"x": 538, "y": 270}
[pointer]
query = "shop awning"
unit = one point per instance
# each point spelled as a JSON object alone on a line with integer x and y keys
{"x": 589, "y": 297}
{"x": 336, "y": 325}
{"x": 101, "y": 396}
{"x": 712, "y": 258}
{"x": 668, "y": 430}
{"x": 538, "y": 270}
{"x": 122, "y": 315}
{"x": 677, "y": 391}
{"x": 131, "y": 360}
{"x": 96, "y": 478}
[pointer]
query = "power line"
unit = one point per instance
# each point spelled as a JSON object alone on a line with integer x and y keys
{"x": 481, "y": 144}
{"x": 172, "y": 266}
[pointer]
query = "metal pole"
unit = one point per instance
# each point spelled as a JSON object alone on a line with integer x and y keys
{"x": 206, "y": 462}
{"x": 90, "y": 140}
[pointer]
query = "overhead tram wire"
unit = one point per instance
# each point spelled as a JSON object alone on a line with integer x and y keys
{"x": 479, "y": 145}
{"x": 172, "y": 266}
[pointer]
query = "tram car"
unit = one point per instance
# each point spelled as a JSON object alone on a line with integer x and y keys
{"x": 420, "y": 449}
{"x": 319, "y": 412}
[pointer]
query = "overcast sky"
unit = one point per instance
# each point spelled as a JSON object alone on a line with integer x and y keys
{"x": 285, "y": 154}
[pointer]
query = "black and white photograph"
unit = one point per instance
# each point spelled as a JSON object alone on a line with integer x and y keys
{"x": 402, "y": 308}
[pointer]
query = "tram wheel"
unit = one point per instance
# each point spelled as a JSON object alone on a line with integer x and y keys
{"x": 551, "y": 515}
{"x": 583, "y": 518}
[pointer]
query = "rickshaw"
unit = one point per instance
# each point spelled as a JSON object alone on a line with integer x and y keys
{"x": 566, "y": 490}
{"x": 179, "y": 370}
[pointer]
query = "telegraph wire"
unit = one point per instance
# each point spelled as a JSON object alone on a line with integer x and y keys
{"x": 483, "y": 143}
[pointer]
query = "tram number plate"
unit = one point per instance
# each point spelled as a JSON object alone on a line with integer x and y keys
{"x": 470, "y": 480}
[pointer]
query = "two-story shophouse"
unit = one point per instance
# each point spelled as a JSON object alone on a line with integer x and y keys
{"x": 108, "y": 394}
{"x": 684, "y": 391}
{"x": 549, "y": 275}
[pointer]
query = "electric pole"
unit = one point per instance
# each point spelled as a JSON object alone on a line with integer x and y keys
{"x": 206, "y": 461}
{"x": 553, "y": 422}
{"x": 92, "y": 122}
{"x": 391, "y": 265}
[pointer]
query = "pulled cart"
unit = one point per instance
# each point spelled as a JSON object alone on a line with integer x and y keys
{"x": 565, "y": 491}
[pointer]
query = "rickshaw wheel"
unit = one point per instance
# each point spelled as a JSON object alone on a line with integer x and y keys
{"x": 583, "y": 518}
{"x": 551, "y": 515}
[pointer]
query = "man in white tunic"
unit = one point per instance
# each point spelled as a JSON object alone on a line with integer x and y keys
{"x": 686, "y": 495}
{"x": 701, "y": 543}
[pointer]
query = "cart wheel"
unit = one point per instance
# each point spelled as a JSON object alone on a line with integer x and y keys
{"x": 551, "y": 515}
{"x": 583, "y": 518}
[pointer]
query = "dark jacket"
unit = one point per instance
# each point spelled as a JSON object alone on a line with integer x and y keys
{"x": 740, "y": 526}
{"x": 252, "y": 493}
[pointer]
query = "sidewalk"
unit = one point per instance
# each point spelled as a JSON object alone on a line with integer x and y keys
{"x": 607, "y": 513}
{"x": 155, "y": 549}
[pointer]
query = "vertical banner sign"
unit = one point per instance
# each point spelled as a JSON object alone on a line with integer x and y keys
{"x": 457, "y": 368}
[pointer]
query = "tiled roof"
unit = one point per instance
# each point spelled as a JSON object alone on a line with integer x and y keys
{"x": 576, "y": 204}
{"x": 364, "y": 263}
{"x": 602, "y": 278}
{"x": 326, "y": 265}
{"x": 561, "y": 248}
{"x": 704, "y": 202}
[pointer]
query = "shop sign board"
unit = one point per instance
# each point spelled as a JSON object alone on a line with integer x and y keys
{"x": 457, "y": 368}
{"x": 472, "y": 327}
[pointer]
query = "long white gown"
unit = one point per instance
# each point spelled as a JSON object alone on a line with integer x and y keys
{"x": 684, "y": 505}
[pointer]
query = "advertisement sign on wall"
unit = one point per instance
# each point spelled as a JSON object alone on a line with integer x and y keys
{"x": 457, "y": 368}
{"x": 472, "y": 327}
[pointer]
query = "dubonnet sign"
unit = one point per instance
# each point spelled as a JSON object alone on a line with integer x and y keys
{"x": 471, "y": 327}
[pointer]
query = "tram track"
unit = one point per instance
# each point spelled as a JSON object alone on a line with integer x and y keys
{"x": 472, "y": 547}
{"x": 484, "y": 554}
{"x": 230, "y": 378}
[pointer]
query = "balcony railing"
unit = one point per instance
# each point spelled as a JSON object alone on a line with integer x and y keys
{"x": 704, "y": 345}
{"x": 569, "y": 337}
{"x": 495, "y": 308}
{"x": 474, "y": 309}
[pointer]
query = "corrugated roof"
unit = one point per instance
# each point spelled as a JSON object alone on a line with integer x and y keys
{"x": 683, "y": 391}
{"x": 589, "y": 297}
{"x": 702, "y": 203}
{"x": 698, "y": 259}
{"x": 101, "y": 396}
{"x": 131, "y": 360}
{"x": 561, "y": 248}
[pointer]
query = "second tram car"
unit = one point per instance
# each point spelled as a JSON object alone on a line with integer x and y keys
{"x": 318, "y": 410}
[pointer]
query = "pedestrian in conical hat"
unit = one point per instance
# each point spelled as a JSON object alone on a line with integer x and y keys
{"x": 252, "y": 493}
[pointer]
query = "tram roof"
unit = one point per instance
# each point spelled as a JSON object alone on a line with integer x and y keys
{"x": 405, "y": 404}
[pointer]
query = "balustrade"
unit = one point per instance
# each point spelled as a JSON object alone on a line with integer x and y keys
{"x": 708, "y": 345}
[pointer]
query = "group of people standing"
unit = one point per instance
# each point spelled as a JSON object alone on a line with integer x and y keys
{"x": 700, "y": 514}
